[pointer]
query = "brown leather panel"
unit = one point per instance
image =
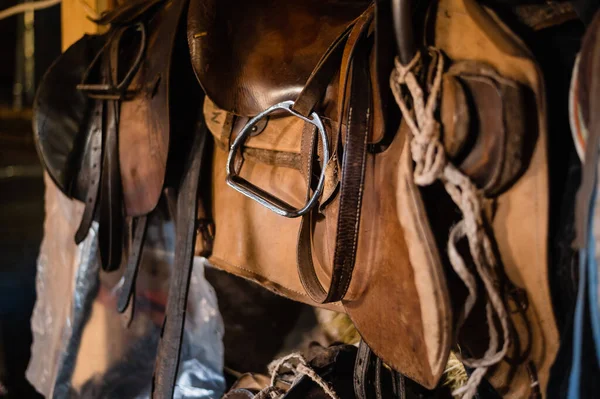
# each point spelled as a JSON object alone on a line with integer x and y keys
{"x": 545, "y": 15}
{"x": 259, "y": 245}
{"x": 251, "y": 241}
{"x": 455, "y": 116}
{"x": 403, "y": 300}
{"x": 486, "y": 161}
{"x": 144, "y": 121}
{"x": 282, "y": 134}
{"x": 245, "y": 247}
{"x": 465, "y": 31}
{"x": 251, "y": 55}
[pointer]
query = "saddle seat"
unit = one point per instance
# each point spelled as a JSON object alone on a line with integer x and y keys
{"x": 249, "y": 55}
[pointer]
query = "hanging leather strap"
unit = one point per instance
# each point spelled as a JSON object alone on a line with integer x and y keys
{"x": 167, "y": 359}
{"x": 110, "y": 229}
{"x": 358, "y": 122}
{"x": 365, "y": 360}
{"x": 127, "y": 293}
{"x": 94, "y": 167}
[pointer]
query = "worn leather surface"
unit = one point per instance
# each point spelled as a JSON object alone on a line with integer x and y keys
{"x": 400, "y": 283}
{"x": 61, "y": 116}
{"x": 145, "y": 119}
{"x": 251, "y": 55}
{"x": 255, "y": 243}
{"x": 168, "y": 353}
{"x": 520, "y": 222}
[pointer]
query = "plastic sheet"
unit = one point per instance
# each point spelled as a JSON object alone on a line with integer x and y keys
{"x": 82, "y": 347}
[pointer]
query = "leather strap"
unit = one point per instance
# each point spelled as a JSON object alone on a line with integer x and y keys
{"x": 94, "y": 160}
{"x": 399, "y": 382}
{"x": 128, "y": 290}
{"x": 167, "y": 359}
{"x": 352, "y": 181}
{"x": 110, "y": 230}
{"x": 328, "y": 65}
{"x": 365, "y": 359}
{"x": 319, "y": 79}
{"x": 361, "y": 370}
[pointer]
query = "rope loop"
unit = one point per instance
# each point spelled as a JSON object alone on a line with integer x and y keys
{"x": 298, "y": 366}
{"x": 430, "y": 165}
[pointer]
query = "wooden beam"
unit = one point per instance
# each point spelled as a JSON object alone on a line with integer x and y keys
{"x": 74, "y": 19}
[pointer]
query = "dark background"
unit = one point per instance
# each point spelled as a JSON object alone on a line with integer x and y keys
{"x": 21, "y": 198}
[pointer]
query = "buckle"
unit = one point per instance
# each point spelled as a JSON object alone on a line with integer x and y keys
{"x": 111, "y": 91}
{"x": 268, "y": 200}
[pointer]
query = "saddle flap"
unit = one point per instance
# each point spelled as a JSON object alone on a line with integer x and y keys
{"x": 145, "y": 123}
{"x": 62, "y": 119}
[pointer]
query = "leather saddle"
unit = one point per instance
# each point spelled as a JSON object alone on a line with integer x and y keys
{"x": 118, "y": 125}
{"x": 314, "y": 193}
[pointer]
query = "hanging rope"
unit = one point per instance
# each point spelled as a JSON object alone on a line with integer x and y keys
{"x": 297, "y": 364}
{"x": 431, "y": 164}
{"x": 42, "y": 4}
{"x": 25, "y": 7}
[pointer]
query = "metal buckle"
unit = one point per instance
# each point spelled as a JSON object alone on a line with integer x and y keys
{"x": 269, "y": 201}
{"x": 110, "y": 91}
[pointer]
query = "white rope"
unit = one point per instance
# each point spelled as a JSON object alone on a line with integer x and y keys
{"x": 42, "y": 4}
{"x": 297, "y": 364}
{"x": 24, "y": 7}
{"x": 431, "y": 164}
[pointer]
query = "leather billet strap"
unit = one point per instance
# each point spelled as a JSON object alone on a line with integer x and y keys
{"x": 357, "y": 119}
{"x": 365, "y": 360}
{"x": 110, "y": 211}
{"x": 167, "y": 359}
{"x": 103, "y": 200}
{"x": 133, "y": 263}
{"x": 94, "y": 168}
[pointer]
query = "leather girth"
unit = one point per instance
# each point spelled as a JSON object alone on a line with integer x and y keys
{"x": 167, "y": 359}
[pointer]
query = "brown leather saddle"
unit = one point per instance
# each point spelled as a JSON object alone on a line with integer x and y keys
{"x": 314, "y": 194}
{"x": 118, "y": 122}
{"x": 321, "y": 188}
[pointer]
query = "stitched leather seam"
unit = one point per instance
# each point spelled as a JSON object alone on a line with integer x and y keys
{"x": 350, "y": 261}
{"x": 253, "y": 273}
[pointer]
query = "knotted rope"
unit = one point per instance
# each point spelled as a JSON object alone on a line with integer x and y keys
{"x": 297, "y": 364}
{"x": 431, "y": 164}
